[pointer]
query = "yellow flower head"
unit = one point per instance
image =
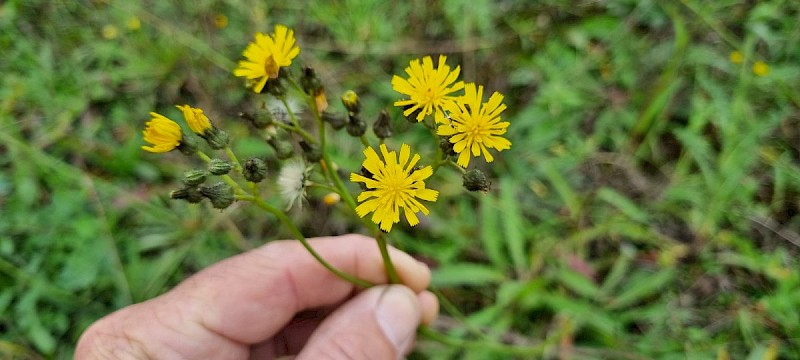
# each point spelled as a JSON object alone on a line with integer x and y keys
{"x": 266, "y": 55}
{"x": 428, "y": 89}
{"x": 163, "y": 133}
{"x": 475, "y": 127}
{"x": 760, "y": 68}
{"x": 392, "y": 185}
{"x": 736, "y": 57}
{"x": 197, "y": 120}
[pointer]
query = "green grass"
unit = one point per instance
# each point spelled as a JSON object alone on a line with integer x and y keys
{"x": 648, "y": 207}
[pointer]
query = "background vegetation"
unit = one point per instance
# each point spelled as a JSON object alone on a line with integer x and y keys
{"x": 647, "y": 209}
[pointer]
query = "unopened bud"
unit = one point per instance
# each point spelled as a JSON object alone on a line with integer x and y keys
{"x": 283, "y": 149}
{"x": 356, "y": 127}
{"x": 259, "y": 121}
{"x": 219, "y": 166}
{"x": 216, "y": 138}
{"x": 475, "y": 180}
{"x": 220, "y": 194}
{"x": 309, "y": 81}
{"x": 194, "y": 177}
{"x": 337, "y": 122}
{"x": 331, "y": 199}
{"x": 351, "y": 102}
{"x": 190, "y": 194}
{"x": 447, "y": 146}
{"x": 311, "y": 152}
{"x": 254, "y": 170}
{"x": 383, "y": 125}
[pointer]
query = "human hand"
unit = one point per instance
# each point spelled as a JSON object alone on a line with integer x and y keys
{"x": 276, "y": 301}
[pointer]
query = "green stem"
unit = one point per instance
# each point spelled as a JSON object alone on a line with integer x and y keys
{"x": 236, "y": 164}
{"x": 365, "y": 141}
{"x": 391, "y": 271}
{"x": 227, "y": 178}
{"x": 299, "y": 235}
{"x": 453, "y": 164}
{"x": 323, "y": 186}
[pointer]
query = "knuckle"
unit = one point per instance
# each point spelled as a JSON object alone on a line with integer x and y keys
{"x": 105, "y": 340}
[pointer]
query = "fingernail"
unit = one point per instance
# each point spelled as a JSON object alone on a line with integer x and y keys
{"x": 398, "y": 315}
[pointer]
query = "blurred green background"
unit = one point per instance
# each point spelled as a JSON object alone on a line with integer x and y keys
{"x": 648, "y": 207}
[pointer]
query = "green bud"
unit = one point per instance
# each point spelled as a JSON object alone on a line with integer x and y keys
{"x": 310, "y": 82}
{"x": 259, "y": 121}
{"x": 383, "y": 125}
{"x": 254, "y": 170}
{"x": 337, "y": 122}
{"x": 188, "y": 145}
{"x": 447, "y": 146}
{"x": 190, "y": 194}
{"x": 475, "y": 180}
{"x": 216, "y": 138}
{"x": 283, "y": 149}
{"x": 220, "y": 194}
{"x": 351, "y": 102}
{"x": 219, "y": 167}
{"x": 356, "y": 127}
{"x": 311, "y": 152}
{"x": 194, "y": 177}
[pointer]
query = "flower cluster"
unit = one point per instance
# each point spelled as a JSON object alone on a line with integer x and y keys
{"x": 464, "y": 124}
{"x": 469, "y": 124}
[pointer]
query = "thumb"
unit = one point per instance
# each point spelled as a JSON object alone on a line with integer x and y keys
{"x": 379, "y": 323}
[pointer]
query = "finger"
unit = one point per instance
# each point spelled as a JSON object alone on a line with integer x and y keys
{"x": 379, "y": 323}
{"x": 248, "y": 298}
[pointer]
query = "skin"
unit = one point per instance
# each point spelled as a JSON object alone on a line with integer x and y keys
{"x": 272, "y": 302}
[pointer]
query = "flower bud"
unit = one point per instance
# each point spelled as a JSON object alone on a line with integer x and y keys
{"x": 220, "y": 194}
{"x": 254, "y": 170}
{"x": 383, "y": 125}
{"x": 194, "y": 177}
{"x": 356, "y": 127}
{"x": 190, "y": 194}
{"x": 475, "y": 180}
{"x": 219, "y": 166}
{"x": 331, "y": 198}
{"x": 309, "y": 81}
{"x": 351, "y": 102}
{"x": 311, "y": 152}
{"x": 259, "y": 121}
{"x": 217, "y": 139}
{"x": 447, "y": 146}
{"x": 337, "y": 122}
{"x": 283, "y": 149}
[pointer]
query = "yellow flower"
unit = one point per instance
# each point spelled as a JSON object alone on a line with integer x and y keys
{"x": 474, "y": 127}
{"x": 428, "y": 89}
{"x": 760, "y": 68}
{"x": 110, "y": 32}
{"x": 266, "y": 55}
{"x": 736, "y": 57}
{"x": 163, "y": 133}
{"x": 197, "y": 120}
{"x": 220, "y": 21}
{"x": 393, "y": 185}
{"x": 134, "y": 23}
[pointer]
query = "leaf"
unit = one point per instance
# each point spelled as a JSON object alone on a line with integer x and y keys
{"x": 491, "y": 238}
{"x": 640, "y": 286}
{"x": 466, "y": 274}
{"x": 623, "y": 204}
{"x": 513, "y": 224}
{"x": 578, "y": 283}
